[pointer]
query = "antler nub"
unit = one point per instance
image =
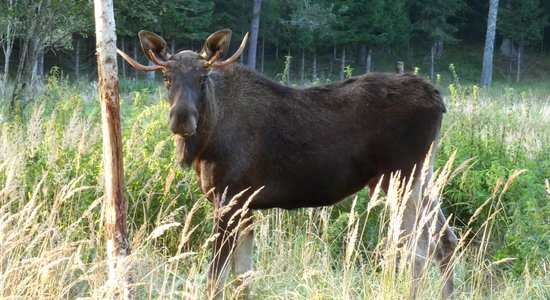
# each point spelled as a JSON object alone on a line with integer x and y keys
{"x": 154, "y": 59}
{"x": 212, "y": 60}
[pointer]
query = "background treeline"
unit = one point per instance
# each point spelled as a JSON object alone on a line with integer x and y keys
{"x": 326, "y": 39}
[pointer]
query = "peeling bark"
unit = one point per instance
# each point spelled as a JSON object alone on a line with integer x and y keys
{"x": 115, "y": 207}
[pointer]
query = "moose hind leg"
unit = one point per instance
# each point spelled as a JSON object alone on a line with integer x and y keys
{"x": 419, "y": 246}
{"x": 243, "y": 263}
{"x": 446, "y": 246}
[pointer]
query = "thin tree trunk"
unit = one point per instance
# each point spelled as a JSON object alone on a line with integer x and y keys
{"x": 314, "y": 67}
{"x": 29, "y": 55}
{"x": 77, "y": 59}
{"x": 18, "y": 85}
{"x": 135, "y": 54}
{"x": 34, "y": 69}
{"x": 151, "y": 74}
{"x": 38, "y": 72}
{"x": 400, "y": 67}
{"x": 368, "y": 60}
{"x": 520, "y": 57}
{"x": 41, "y": 64}
{"x": 289, "y": 68}
{"x": 510, "y": 60}
{"x": 343, "y": 64}
{"x": 263, "y": 55}
{"x": 115, "y": 207}
{"x": 487, "y": 69}
{"x": 432, "y": 59}
{"x": 123, "y": 48}
{"x": 173, "y": 46}
{"x": 254, "y": 28}
{"x": 303, "y": 67}
{"x": 542, "y": 40}
{"x": 362, "y": 54}
{"x": 7, "y": 48}
{"x": 277, "y": 51}
{"x": 24, "y": 73}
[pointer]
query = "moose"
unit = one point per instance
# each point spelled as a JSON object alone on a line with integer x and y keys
{"x": 289, "y": 148}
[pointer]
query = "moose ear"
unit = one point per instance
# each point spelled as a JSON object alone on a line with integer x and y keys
{"x": 155, "y": 43}
{"x": 216, "y": 42}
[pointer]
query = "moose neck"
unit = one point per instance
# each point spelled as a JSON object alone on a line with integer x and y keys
{"x": 209, "y": 113}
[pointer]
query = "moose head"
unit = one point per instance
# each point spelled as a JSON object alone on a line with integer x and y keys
{"x": 185, "y": 73}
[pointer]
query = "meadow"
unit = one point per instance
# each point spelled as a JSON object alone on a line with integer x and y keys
{"x": 494, "y": 173}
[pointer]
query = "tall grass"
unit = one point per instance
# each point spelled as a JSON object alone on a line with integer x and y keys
{"x": 52, "y": 235}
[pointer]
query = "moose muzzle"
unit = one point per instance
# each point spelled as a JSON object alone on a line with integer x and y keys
{"x": 183, "y": 124}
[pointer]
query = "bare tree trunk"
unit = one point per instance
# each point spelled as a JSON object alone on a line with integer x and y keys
{"x": 30, "y": 50}
{"x": 118, "y": 246}
{"x": 254, "y": 28}
{"x": 303, "y": 67}
{"x": 77, "y": 59}
{"x": 368, "y": 60}
{"x": 400, "y": 67}
{"x": 343, "y": 64}
{"x": 40, "y": 66}
{"x": 123, "y": 48}
{"x": 37, "y": 74}
{"x": 542, "y": 40}
{"x": 277, "y": 51}
{"x": 173, "y": 46}
{"x": 289, "y": 59}
{"x": 510, "y": 60}
{"x": 487, "y": 70}
{"x": 362, "y": 54}
{"x": 432, "y": 59}
{"x": 314, "y": 67}
{"x": 18, "y": 85}
{"x": 151, "y": 74}
{"x": 23, "y": 81}
{"x": 520, "y": 56}
{"x": 7, "y": 48}
{"x": 263, "y": 55}
{"x": 135, "y": 54}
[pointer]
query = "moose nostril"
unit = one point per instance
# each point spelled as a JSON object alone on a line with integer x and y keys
{"x": 175, "y": 127}
{"x": 183, "y": 128}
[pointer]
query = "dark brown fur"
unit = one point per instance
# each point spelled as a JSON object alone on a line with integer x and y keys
{"x": 314, "y": 146}
{"x": 305, "y": 147}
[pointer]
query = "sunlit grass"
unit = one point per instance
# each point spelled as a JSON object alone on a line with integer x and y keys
{"x": 52, "y": 237}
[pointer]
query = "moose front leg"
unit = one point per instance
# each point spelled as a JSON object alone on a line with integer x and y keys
{"x": 243, "y": 257}
{"x": 234, "y": 241}
{"x": 223, "y": 247}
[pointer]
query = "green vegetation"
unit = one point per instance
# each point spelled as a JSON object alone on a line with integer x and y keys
{"x": 498, "y": 191}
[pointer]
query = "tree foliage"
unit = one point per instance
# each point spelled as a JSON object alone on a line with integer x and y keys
{"x": 433, "y": 17}
{"x": 309, "y": 25}
{"x": 522, "y": 18}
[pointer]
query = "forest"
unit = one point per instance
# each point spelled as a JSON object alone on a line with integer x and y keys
{"x": 490, "y": 59}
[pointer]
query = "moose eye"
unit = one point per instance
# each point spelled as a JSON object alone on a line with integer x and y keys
{"x": 166, "y": 82}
